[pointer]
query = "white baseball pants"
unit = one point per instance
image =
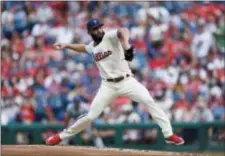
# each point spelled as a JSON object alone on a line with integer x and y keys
{"x": 107, "y": 92}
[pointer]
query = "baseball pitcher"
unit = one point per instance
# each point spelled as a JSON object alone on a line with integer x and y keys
{"x": 111, "y": 52}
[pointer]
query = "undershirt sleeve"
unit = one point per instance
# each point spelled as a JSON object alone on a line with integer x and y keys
{"x": 89, "y": 47}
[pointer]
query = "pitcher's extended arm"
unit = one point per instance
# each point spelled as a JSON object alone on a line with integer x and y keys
{"x": 76, "y": 47}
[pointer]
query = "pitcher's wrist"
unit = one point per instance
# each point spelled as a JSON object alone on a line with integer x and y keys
{"x": 127, "y": 46}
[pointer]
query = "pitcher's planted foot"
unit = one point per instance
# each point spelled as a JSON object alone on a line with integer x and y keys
{"x": 53, "y": 140}
{"x": 174, "y": 139}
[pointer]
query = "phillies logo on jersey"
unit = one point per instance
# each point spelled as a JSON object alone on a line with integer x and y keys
{"x": 101, "y": 55}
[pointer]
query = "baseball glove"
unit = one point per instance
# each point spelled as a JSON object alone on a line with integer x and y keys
{"x": 129, "y": 55}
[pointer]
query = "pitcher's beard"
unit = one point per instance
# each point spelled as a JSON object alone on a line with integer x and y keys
{"x": 98, "y": 39}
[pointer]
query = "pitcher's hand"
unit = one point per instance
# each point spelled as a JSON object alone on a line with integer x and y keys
{"x": 59, "y": 46}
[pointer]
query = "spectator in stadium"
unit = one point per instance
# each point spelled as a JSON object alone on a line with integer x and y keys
{"x": 187, "y": 65}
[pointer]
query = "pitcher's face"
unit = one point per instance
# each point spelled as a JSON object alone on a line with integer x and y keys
{"x": 97, "y": 32}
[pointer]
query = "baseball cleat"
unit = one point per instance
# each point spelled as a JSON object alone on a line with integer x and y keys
{"x": 53, "y": 140}
{"x": 174, "y": 139}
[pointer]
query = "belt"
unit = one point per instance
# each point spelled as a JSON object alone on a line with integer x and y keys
{"x": 118, "y": 79}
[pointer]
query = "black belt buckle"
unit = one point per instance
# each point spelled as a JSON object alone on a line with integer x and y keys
{"x": 118, "y": 79}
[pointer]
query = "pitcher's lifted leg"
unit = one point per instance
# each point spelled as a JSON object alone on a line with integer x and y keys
{"x": 101, "y": 100}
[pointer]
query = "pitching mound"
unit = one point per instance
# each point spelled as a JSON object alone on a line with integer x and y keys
{"x": 41, "y": 150}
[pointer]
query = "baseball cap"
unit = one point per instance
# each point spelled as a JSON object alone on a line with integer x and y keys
{"x": 93, "y": 23}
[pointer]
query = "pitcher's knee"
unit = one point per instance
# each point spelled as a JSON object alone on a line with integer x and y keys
{"x": 148, "y": 100}
{"x": 91, "y": 116}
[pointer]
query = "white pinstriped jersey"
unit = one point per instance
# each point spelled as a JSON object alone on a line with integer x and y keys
{"x": 109, "y": 56}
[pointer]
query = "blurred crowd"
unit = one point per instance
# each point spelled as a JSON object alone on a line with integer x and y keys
{"x": 179, "y": 57}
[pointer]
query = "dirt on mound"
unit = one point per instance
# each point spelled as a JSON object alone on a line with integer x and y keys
{"x": 42, "y": 150}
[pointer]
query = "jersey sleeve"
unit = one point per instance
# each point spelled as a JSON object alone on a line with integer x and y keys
{"x": 113, "y": 34}
{"x": 89, "y": 47}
